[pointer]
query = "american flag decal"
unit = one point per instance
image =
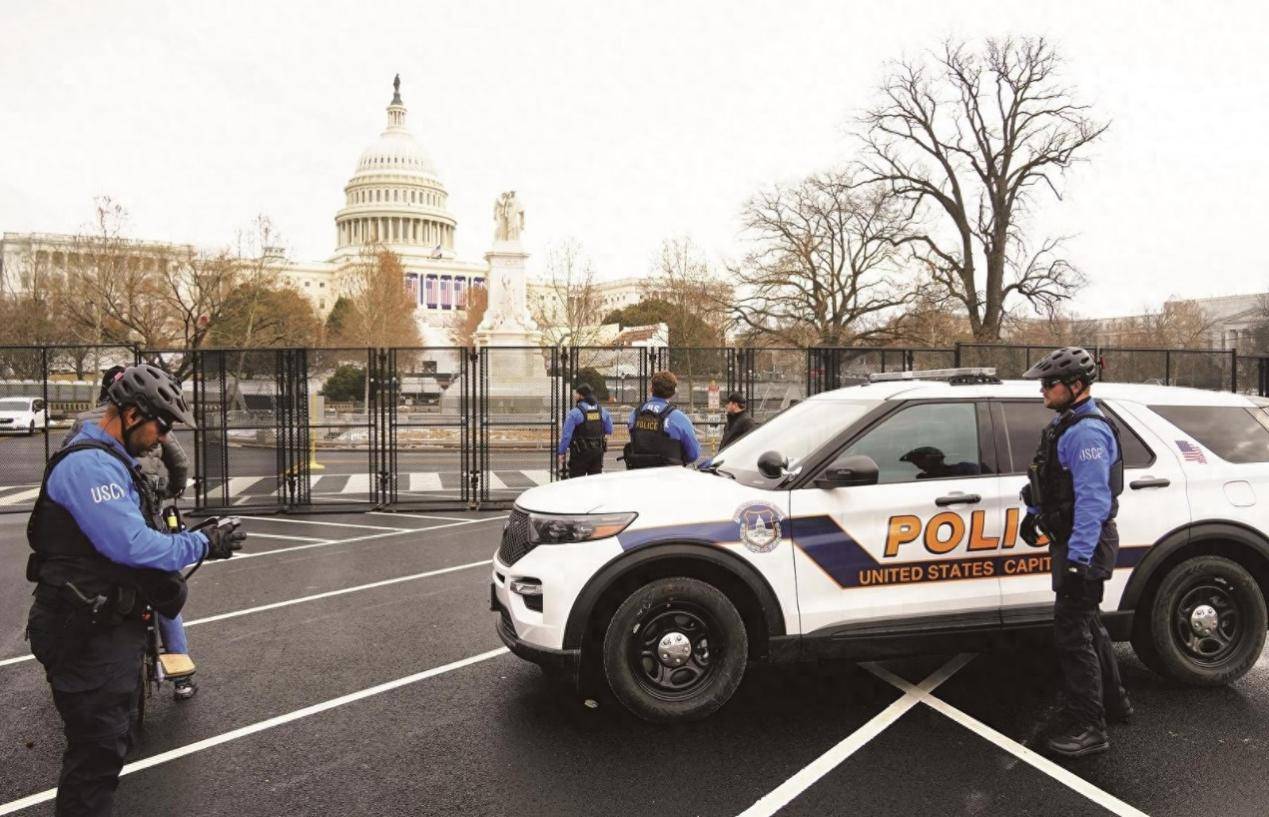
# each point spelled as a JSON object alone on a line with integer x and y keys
{"x": 1191, "y": 452}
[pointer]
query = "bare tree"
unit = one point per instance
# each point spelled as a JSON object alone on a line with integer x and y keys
{"x": 382, "y": 308}
{"x": 699, "y": 302}
{"x": 567, "y": 309}
{"x": 463, "y": 325}
{"x": 969, "y": 139}
{"x": 824, "y": 268}
{"x": 114, "y": 287}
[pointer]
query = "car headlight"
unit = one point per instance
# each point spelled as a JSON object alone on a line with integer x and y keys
{"x": 555, "y": 529}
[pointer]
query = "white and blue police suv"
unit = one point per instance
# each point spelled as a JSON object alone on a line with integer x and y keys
{"x": 883, "y": 519}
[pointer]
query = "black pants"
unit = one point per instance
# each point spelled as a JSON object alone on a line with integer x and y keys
{"x": 581, "y": 463}
{"x": 1090, "y": 674}
{"x": 96, "y": 682}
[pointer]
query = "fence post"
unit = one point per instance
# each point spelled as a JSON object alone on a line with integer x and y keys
{"x": 1233, "y": 370}
{"x": 1167, "y": 367}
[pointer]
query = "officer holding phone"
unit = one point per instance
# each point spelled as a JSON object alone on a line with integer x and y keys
{"x": 99, "y": 557}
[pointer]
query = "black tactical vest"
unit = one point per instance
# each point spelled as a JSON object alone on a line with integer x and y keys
{"x": 588, "y": 437}
{"x": 63, "y": 554}
{"x": 1053, "y": 491}
{"x": 650, "y": 446}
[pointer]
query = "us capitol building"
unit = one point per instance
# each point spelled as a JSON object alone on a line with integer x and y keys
{"x": 395, "y": 198}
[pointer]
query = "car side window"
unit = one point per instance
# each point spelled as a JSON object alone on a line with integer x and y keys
{"x": 39, "y": 404}
{"x": 923, "y": 441}
{"x": 1025, "y": 420}
{"x": 1233, "y": 433}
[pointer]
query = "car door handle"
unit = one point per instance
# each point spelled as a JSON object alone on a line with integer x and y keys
{"x": 1149, "y": 482}
{"x": 958, "y": 499}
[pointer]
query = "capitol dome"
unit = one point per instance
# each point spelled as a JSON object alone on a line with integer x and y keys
{"x": 394, "y": 197}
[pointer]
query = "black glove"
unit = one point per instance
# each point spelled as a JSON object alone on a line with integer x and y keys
{"x": 1025, "y": 495}
{"x": 1077, "y": 584}
{"x": 223, "y": 540}
{"x": 1027, "y": 530}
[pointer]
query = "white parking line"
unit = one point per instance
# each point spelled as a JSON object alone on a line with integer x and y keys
{"x": 251, "y": 729}
{"x": 302, "y": 599}
{"x": 331, "y": 593}
{"x": 428, "y": 516}
{"x": 367, "y": 537}
{"x": 290, "y": 521}
{"x": 1102, "y": 798}
{"x": 258, "y": 535}
{"x": 784, "y": 794}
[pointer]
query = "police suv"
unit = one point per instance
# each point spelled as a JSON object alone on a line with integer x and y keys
{"x": 883, "y": 519}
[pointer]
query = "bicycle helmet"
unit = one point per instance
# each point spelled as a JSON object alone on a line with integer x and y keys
{"x": 154, "y": 392}
{"x": 1067, "y": 364}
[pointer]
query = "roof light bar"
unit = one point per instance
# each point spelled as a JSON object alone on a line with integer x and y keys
{"x": 933, "y": 374}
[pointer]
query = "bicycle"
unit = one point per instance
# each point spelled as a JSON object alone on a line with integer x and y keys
{"x": 152, "y": 671}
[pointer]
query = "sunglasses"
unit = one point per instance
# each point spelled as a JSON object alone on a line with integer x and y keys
{"x": 1049, "y": 382}
{"x": 163, "y": 425}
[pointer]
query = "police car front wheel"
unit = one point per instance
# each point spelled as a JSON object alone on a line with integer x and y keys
{"x": 1207, "y": 622}
{"x": 676, "y": 649}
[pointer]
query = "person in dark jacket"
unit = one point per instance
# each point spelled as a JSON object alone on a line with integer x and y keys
{"x": 739, "y": 423}
{"x": 584, "y": 438}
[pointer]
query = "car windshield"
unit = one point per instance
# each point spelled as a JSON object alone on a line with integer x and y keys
{"x": 15, "y": 405}
{"x": 796, "y": 433}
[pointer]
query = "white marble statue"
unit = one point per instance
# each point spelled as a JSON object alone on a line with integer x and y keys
{"x": 509, "y": 217}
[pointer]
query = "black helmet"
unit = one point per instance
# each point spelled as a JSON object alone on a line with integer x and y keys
{"x": 1067, "y": 364}
{"x": 583, "y": 388}
{"x": 154, "y": 392}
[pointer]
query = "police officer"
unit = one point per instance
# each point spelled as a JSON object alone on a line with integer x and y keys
{"x": 98, "y": 558}
{"x": 661, "y": 434}
{"x": 585, "y": 437}
{"x": 739, "y": 423}
{"x": 166, "y": 471}
{"x": 1071, "y": 497}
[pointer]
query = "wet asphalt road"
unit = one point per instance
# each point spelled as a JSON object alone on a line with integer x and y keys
{"x": 492, "y": 737}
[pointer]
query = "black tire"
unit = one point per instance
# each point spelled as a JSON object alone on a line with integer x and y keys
{"x": 1206, "y": 623}
{"x": 30, "y": 432}
{"x": 653, "y": 618}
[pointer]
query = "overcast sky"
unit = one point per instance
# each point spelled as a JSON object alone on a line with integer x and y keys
{"x": 619, "y": 124}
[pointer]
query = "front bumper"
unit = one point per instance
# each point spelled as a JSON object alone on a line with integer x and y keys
{"x": 564, "y": 663}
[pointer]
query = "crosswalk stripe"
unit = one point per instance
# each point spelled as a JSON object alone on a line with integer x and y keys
{"x": 538, "y": 477}
{"x": 21, "y": 496}
{"x": 496, "y": 484}
{"x": 357, "y": 484}
{"x": 425, "y": 481}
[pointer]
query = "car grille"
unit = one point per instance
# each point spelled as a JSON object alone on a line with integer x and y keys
{"x": 515, "y": 538}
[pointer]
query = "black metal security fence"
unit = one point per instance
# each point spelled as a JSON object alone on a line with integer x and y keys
{"x": 461, "y": 428}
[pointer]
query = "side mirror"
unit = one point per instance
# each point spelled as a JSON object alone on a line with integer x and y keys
{"x": 854, "y": 470}
{"x": 772, "y": 464}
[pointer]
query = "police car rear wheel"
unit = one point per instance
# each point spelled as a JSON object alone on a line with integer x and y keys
{"x": 676, "y": 649}
{"x": 1207, "y": 621}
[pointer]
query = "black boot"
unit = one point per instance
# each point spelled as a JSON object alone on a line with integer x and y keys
{"x": 1078, "y": 741}
{"x": 1120, "y": 711}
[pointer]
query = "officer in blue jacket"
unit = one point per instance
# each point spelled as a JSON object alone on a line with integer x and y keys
{"x": 587, "y": 427}
{"x": 1071, "y": 496}
{"x": 661, "y": 434}
{"x": 99, "y": 556}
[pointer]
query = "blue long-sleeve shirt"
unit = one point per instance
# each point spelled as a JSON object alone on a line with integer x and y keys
{"x": 676, "y": 425}
{"x": 1088, "y": 451}
{"x": 100, "y": 495}
{"x": 576, "y": 417}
